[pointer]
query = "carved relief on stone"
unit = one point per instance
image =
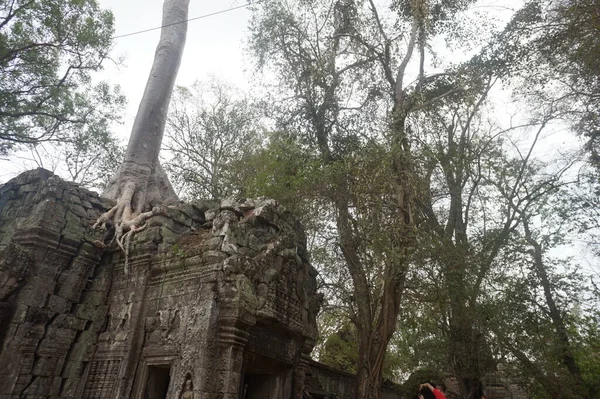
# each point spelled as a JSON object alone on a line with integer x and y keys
{"x": 188, "y": 388}
{"x": 163, "y": 325}
{"x": 102, "y": 377}
{"x": 120, "y": 326}
{"x": 152, "y": 327}
{"x": 173, "y": 324}
{"x": 151, "y": 324}
{"x": 196, "y": 317}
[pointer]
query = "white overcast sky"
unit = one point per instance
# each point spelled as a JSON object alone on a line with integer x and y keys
{"x": 214, "y": 46}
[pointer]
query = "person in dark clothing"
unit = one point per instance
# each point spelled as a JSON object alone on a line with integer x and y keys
{"x": 425, "y": 393}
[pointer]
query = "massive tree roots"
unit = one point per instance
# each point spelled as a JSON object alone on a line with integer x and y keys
{"x": 135, "y": 188}
{"x": 122, "y": 216}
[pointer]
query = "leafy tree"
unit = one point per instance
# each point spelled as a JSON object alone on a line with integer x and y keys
{"x": 211, "y": 127}
{"x": 570, "y": 47}
{"x": 48, "y": 51}
{"x": 340, "y": 349}
{"x": 543, "y": 302}
{"x": 549, "y": 51}
{"x": 346, "y": 95}
{"x": 91, "y": 159}
{"x": 465, "y": 235}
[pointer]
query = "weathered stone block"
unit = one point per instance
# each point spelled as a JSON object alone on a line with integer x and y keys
{"x": 57, "y": 339}
{"x": 194, "y": 213}
{"x": 26, "y": 363}
{"x": 56, "y": 385}
{"x": 69, "y": 387}
{"x": 169, "y": 236}
{"x": 71, "y": 286}
{"x": 46, "y": 366}
{"x": 37, "y": 315}
{"x": 69, "y": 322}
{"x": 158, "y": 311}
{"x": 79, "y": 211}
{"x": 212, "y": 257}
{"x": 11, "y": 331}
{"x": 58, "y": 304}
{"x": 150, "y": 234}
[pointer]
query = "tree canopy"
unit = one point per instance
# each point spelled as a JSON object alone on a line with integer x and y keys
{"x": 49, "y": 50}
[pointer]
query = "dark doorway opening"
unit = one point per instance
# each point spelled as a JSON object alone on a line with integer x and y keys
{"x": 257, "y": 386}
{"x": 157, "y": 383}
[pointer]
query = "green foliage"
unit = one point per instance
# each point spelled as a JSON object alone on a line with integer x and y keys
{"x": 282, "y": 170}
{"x": 474, "y": 295}
{"x": 48, "y": 51}
{"x": 211, "y": 127}
{"x": 588, "y": 352}
{"x": 341, "y": 350}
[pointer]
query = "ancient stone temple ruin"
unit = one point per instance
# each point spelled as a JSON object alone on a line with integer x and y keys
{"x": 211, "y": 300}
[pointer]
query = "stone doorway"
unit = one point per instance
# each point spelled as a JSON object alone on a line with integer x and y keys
{"x": 257, "y": 386}
{"x": 265, "y": 378}
{"x": 157, "y": 383}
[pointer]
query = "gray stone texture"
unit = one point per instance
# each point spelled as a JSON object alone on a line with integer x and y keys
{"x": 48, "y": 263}
{"x": 212, "y": 299}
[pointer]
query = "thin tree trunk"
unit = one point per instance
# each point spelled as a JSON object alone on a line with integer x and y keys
{"x": 568, "y": 359}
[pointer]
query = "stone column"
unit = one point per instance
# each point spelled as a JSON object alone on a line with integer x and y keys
{"x": 232, "y": 339}
{"x": 302, "y": 369}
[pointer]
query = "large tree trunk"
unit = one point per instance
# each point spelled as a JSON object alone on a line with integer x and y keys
{"x": 374, "y": 342}
{"x": 375, "y": 318}
{"x": 141, "y": 181}
{"x": 141, "y": 158}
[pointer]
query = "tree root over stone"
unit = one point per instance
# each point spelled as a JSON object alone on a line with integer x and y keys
{"x": 134, "y": 188}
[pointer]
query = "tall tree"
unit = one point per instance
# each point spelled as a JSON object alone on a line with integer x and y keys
{"x": 211, "y": 127}
{"x": 345, "y": 69}
{"x": 473, "y": 171}
{"x": 48, "y": 51}
{"x": 140, "y": 180}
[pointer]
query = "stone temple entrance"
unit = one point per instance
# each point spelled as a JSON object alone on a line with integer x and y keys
{"x": 157, "y": 383}
{"x": 265, "y": 378}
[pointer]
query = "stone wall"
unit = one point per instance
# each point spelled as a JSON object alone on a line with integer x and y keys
{"x": 327, "y": 382}
{"x": 49, "y": 307}
{"x": 211, "y": 301}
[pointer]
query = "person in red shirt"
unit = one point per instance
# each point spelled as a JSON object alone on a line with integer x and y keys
{"x": 438, "y": 391}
